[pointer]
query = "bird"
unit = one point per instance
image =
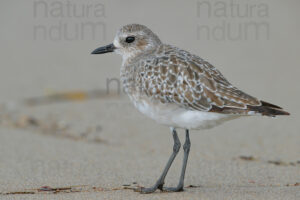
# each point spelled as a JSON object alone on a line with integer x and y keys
{"x": 178, "y": 89}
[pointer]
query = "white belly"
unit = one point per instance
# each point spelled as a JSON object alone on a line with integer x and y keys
{"x": 174, "y": 116}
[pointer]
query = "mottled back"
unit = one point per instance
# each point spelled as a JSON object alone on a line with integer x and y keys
{"x": 176, "y": 76}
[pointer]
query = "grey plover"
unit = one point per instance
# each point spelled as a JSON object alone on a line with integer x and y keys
{"x": 178, "y": 89}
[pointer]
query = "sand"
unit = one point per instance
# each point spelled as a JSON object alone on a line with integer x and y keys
{"x": 80, "y": 143}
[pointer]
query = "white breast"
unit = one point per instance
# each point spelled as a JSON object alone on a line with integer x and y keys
{"x": 173, "y": 115}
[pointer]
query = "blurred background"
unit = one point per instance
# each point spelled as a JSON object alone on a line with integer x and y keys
{"x": 64, "y": 119}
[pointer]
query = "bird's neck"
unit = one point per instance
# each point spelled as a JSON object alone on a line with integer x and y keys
{"x": 129, "y": 58}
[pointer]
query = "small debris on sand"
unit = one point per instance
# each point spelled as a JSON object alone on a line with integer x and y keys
{"x": 248, "y": 158}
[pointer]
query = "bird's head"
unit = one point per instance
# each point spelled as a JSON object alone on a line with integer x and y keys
{"x": 131, "y": 40}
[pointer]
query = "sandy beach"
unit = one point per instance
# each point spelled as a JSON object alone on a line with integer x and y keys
{"x": 67, "y": 131}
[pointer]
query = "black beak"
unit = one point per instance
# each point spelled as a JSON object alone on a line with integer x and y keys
{"x": 105, "y": 49}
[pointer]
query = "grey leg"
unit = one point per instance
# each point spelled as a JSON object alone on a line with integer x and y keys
{"x": 160, "y": 182}
{"x": 186, "y": 148}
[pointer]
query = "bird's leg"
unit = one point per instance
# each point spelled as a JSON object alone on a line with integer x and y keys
{"x": 186, "y": 148}
{"x": 160, "y": 182}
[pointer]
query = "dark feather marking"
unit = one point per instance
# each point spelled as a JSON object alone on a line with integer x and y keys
{"x": 265, "y": 108}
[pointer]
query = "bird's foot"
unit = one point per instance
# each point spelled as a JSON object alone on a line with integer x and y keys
{"x": 149, "y": 190}
{"x": 173, "y": 189}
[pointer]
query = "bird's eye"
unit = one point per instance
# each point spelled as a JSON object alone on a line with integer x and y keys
{"x": 129, "y": 39}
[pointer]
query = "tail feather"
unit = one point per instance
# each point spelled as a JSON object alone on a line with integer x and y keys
{"x": 263, "y": 103}
{"x": 268, "y": 109}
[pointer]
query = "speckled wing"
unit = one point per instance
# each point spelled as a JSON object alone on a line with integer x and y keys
{"x": 176, "y": 76}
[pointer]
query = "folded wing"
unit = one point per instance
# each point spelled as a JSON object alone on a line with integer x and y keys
{"x": 189, "y": 81}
